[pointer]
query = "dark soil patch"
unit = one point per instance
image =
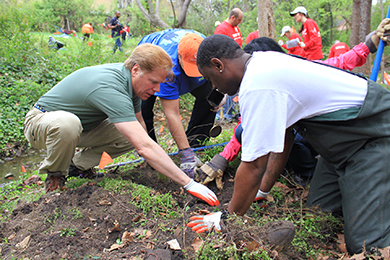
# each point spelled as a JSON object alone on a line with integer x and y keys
{"x": 88, "y": 215}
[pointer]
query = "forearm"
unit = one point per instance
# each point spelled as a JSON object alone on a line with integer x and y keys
{"x": 162, "y": 163}
{"x": 246, "y": 184}
{"x": 276, "y": 163}
{"x": 177, "y": 131}
{"x": 151, "y": 151}
{"x": 171, "y": 111}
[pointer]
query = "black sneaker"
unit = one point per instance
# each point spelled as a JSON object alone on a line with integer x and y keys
{"x": 55, "y": 183}
{"x": 89, "y": 174}
{"x": 301, "y": 180}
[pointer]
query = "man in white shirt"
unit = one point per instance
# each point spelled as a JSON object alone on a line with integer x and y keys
{"x": 346, "y": 118}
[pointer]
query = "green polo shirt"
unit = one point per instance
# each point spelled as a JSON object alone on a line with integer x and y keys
{"x": 95, "y": 93}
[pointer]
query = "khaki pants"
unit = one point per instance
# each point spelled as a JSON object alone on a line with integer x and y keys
{"x": 60, "y": 132}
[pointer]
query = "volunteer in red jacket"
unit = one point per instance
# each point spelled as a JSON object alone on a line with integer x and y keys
{"x": 312, "y": 43}
{"x": 338, "y": 48}
{"x": 297, "y": 50}
{"x": 229, "y": 27}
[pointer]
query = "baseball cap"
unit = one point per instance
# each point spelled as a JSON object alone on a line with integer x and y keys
{"x": 188, "y": 49}
{"x": 285, "y": 29}
{"x": 299, "y": 9}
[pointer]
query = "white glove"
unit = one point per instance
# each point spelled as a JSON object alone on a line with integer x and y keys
{"x": 302, "y": 44}
{"x": 202, "y": 192}
{"x": 202, "y": 223}
{"x": 260, "y": 195}
{"x": 280, "y": 42}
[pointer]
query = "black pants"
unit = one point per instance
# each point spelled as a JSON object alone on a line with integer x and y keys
{"x": 202, "y": 118}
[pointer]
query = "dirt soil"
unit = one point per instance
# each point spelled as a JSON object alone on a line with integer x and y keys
{"x": 39, "y": 229}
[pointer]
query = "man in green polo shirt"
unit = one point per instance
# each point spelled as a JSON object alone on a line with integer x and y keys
{"x": 98, "y": 109}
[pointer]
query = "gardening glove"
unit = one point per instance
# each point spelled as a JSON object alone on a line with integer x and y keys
{"x": 260, "y": 195}
{"x": 189, "y": 162}
{"x": 301, "y": 44}
{"x": 383, "y": 31}
{"x": 280, "y": 42}
{"x": 212, "y": 170}
{"x": 202, "y": 192}
{"x": 203, "y": 223}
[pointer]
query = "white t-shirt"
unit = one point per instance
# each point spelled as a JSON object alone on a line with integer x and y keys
{"x": 278, "y": 90}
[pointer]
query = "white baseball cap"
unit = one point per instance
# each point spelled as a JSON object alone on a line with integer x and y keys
{"x": 284, "y": 30}
{"x": 299, "y": 9}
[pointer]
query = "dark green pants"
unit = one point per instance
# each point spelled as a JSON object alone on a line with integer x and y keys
{"x": 353, "y": 173}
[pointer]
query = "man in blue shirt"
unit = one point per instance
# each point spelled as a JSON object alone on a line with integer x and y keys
{"x": 116, "y": 28}
{"x": 182, "y": 46}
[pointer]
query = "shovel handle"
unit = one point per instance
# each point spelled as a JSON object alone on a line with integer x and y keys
{"x": 378, "y": 56}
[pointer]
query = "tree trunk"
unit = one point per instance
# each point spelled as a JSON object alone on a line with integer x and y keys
{"x": 360, "y": 27}
{"x": 266, "y": 18}
{"x": 152, "y": 16}
{"x": 181, "y": 20}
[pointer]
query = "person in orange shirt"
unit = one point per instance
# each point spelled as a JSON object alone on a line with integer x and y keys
{"x": 338, "y": 48}
{"x": 296, "y": 50}
{"x": 87, "y": 30}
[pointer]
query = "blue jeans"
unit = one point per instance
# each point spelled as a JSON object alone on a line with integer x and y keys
{"x": 227, "y": 108}
{"x": 302, "y": 159}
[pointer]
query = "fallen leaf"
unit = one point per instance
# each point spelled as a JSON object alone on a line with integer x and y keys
{"x": 148, "y": 233}
{"x": 24, "y": 243}
{"x": 282, "y": 186}
{"x": 139, "y": 231}
{"x": 253, "y": 246}
{"x": 137, "y": 218}
{"x": 197, "y": 243}
{"x": 115, "y": 228}
{"x": 385, "y": 253}
{"x": 177, "y": 232}
{"x": 231, "y": 180}
{"x": 149, "y": 246}
{"x": 127, "y": 237}
{"x": 204, "y": 211}
{"x": 217, "y": 246}
{"x": 161, "y": 129}
{"x": 91, "y": 219}
{"x": 104, "y": 201}
{"x": 274, "y": 254}
{"x": 12, "y": 236}
{"x": 115, "y": 246}
{"x": 174, "y": 244}
{"x": 341, "y": 243}
{"x": 358, "y": 256}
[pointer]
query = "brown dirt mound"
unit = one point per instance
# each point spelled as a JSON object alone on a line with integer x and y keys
{"x": 86, "y": 222}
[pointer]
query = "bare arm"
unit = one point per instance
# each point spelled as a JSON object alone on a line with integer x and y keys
{"x": 141, "y": 120}
{"x": 171, "y": 111}
{"x": 265, "y": 170}
{"x": 151, "y": 151}
{"x": 246, "y": 184}
{"x": 276, "y": 163}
